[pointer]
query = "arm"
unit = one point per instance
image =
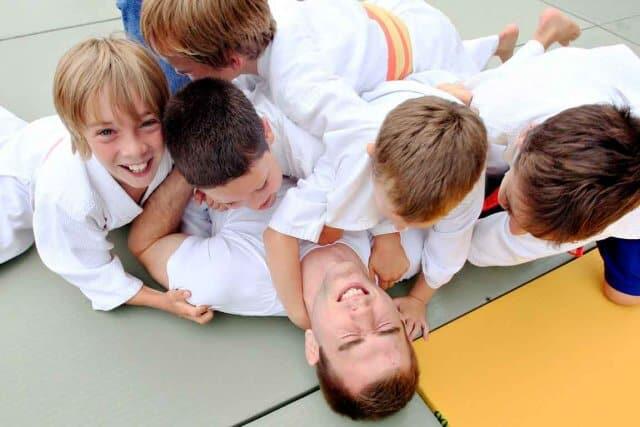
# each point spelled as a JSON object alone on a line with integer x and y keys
{"x": 447, "y": 244}
{"x": 152, "y": 240}
{"x": 153, "y": 237}
{"x": 80, "y": 252}
{"x": 284, "y": 264}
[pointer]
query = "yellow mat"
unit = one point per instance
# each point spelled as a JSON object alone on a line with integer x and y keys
{"x": 555, "y": 352}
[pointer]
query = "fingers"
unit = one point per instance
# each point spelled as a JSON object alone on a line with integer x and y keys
{"x": 425, "y": 331}
{"x": 410, "y": 326}
{"x": 204, "y": 317}
{"x": 200, "y": 314}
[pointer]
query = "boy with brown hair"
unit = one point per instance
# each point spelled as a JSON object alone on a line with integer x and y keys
{"x": 575, "y": 178}
{"x": 67, "y": 181}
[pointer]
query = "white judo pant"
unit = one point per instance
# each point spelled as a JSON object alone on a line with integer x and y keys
{"x": 16, "y": 214}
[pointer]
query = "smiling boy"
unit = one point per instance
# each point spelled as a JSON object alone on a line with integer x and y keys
{"x": 73, "y": 178}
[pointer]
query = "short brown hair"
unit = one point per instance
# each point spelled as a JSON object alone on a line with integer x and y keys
{"x": 213, "y": 132}
{"x": 122, "y": 67}
{"x": 208, "y": 31}
{"x": 377, "y": 400}
{"x": 429, "y": 154}
{"x": 579, "y": 171}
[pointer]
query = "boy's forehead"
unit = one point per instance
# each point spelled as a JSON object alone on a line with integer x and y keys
{"x": 106, "y": 108}
{"x": 242, "y": 185}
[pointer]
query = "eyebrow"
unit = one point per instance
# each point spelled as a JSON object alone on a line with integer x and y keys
{"x": 350, "y": 344}
{"x": 100, "y": 124}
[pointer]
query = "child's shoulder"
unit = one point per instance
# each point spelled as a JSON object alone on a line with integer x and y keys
{"x": 64, "y": 181}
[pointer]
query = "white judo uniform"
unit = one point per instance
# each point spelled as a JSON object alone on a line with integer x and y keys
{"x": 511, "y": 98}
{"x": 68, "y": 205}
{"x": 447, "y": 242}
{"x": 223, "y": 263}
{"x": 320, "y": 89}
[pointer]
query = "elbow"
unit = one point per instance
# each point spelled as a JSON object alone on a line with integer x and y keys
{"x": 137, "y": 245}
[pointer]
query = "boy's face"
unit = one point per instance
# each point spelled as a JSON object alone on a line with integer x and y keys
{"x": 257, "y": 189}
{"x": 130, "y": 148}
{"x": 510, "y": 199}
{"x": 196, "y": 70}
{"x": 358, "y": 326}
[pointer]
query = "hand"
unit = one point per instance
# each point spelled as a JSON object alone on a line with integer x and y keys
{"x": 457, "y": 90}
{"x": 178, "y": 305}
{"x": 413, "y": 315}
{"x": 387, "y": 261}
{"x": 329, "y": 235}
{"x": 199, "y": 197}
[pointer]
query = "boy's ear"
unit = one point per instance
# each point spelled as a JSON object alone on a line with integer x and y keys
{"x": 268, "y": 132}
{"x": 371, "y": 147}
{"x": 311, "y": 348}
{"x": 237, "y": 61}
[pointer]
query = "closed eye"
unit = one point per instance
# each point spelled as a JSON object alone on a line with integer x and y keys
{"x": 263, "y": 186}
{"x": 150, "y": 122}
{"x": 391, "y": 331}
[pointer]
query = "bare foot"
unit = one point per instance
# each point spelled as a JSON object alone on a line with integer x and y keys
{"x": 555, "y": 26}
{"x": 507, "y": 42}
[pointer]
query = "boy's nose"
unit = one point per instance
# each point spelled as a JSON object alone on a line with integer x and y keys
{"x": 133, "y": 148}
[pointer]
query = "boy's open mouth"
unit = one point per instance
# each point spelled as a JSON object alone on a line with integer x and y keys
{"x": 138, "y": 169}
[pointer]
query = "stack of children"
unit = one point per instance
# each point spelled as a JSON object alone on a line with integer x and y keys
{"x": 324, "y": 151}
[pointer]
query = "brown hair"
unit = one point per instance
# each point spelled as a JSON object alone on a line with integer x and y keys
{"x": 430, "y": 152}
{"x": 579, "y": 171}
{"x": 208, "y": 31}
{"x": 377, "y": 400}
{"x": 121, "y": 67}
{"x": 213, "y": 132}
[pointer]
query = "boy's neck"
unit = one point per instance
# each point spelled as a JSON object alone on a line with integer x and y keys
{"x": 135, "y": 193}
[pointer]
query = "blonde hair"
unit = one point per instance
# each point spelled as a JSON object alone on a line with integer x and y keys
{"x": 208, "y": 31}
{"x": 429, "y": 154}
{"x": 114, "y": 67}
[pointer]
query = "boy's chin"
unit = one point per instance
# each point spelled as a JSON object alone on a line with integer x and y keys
{"x": 138, "y": 183}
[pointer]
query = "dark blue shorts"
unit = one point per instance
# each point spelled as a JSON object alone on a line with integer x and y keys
{"x": 621, "y": 264}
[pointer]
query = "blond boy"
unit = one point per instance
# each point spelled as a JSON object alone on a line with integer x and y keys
{"x": 75, "y": 177}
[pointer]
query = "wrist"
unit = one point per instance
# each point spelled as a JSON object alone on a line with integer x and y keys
{"x": 417, "y": 298}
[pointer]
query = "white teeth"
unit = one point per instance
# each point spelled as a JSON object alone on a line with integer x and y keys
{"x": 137, "y": 168}
{"x": 352, "y": 293}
